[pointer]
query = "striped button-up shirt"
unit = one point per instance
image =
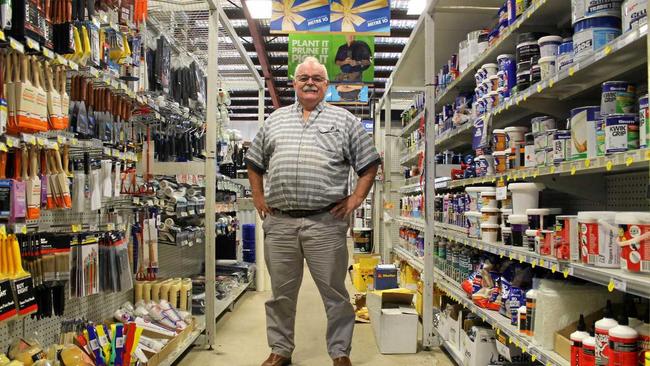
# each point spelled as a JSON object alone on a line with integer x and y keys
{"x": 308, "y": 162}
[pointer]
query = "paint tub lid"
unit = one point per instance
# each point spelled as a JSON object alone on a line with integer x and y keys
{"x": 526, "y": 187}
{"x": 489, "y": 66}
{"x": 506, "y": 229}
{"x": 505, "y": 56}
{"x": 486, "y": 225}
{"x": 516, "y": 129}
{"x": 530, "y": 232}
{"x": 546, "y": 59}
{"x": 566, "y": 47}
{"x": 489, "y": 194}
{"x": 597, "y": 22}
{"x": 490, "y": 210}
{"x": 498, "y": 131}
{"x": 518, "y": 219}
{"x": 500, "y": 153}
{"x": 480, "y": 189}
{"x": 475, "y": 214}
{"x": 549, "y": 39}
{"x": 537, "y": 211}
{"x": 506, "y": 211}
{"x": 596, "y": 215}
{"x": 361, "y": 229}
{"x": 493, "y": 77}
{"x": 633, "y": 218}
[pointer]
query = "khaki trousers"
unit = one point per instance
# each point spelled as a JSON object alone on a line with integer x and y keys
{"x": 321, "y": 241}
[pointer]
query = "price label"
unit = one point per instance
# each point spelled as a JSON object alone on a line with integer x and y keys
{"x": 629, "y": 160}
{"x": 534, "y": 263}
{"x": 15, "y": 45}
{"x": 33, "y": 44}
{"x": 535, "y": 173}
{"x": 542, "y": 263}
{"x": 533, "y": 357}
{"x": 41, "y": 141}
{"x": 551, "y": 83}
{"x": 136, "y": 200}
{"x": 609, "y": 165}
{"x": 3, "y": 147}
{"x": 3, "y": 230}
{"x": 76, "y": 228}
{"x": 61, "y": 139}
{"x": 539, "y": 88}
{"x": 74, "y": 141}
{"x": 110, "y": 226}
{"x": 617, "y": 284}
{"x": 522, "y": 259}
{"x": 61, "y": 60}
{"x": 29, "y": 139}
{"x": 553, "y": 268}
{"x": 2, "y": 36}
{"x": 607, "y": 50}
{"x": 73, "y": 65}
{"x": 502, "y": 192}
{"x": 572, "y": 71}
{"x": 573, "y": 170}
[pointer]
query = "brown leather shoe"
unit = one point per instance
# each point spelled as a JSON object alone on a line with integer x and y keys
{"x": 342, "y": 361}
{"x": 276, "y": 360}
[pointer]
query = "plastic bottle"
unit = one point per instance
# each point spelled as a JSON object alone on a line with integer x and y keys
{"x": 577, "y": 338}
{"x": 623, "y": 344}
{"x": 588, "y": 352}
{"x": 523, "y": 323}
{"x": 602, "y": 335}
{"x": 531, "y": 303}
{"x": 643, "y": 343}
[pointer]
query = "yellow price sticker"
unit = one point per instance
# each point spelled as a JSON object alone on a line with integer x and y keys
{"x": 548, "y": 363}
{"x": 508, "y": 177}
{"x": 553, "y": 268}
{"x": 534, "y": 263}
{"x": 551, "y": 83}
{"x": 566, "y": 273}
{"x": 647, "y": 154}
{"x": 523, "y": 348}
{"x": 539, "y": 88}
{"x": 76, "y": 228}
{"x": 517, "y": 343}
{"x": 542, "y": 262}
{"x": 629, "y": 160}
{"x": 3, "y": 147}
{"x": 494, "y": 179}
{"x": 611, "y": 285}
{"x": 521, "y": 259}
{"x": 525, "y": 97}
{"x": 510, "y": 340}
{"x": 553, "y": 169}
{"x": 533, "y": 357}
{"x": 510, "y": 256}
{"x": 535, "y": 173}
{"x": 587, "y": 163}
{"x": 571, "y": 71}
{"x": 524, "y": 175}
{"x": 609, "y": 165}
{"x": 3, "y": 230}
{"x": 608, "y": 50}
{"x": 498, "y": 331}
{"x": 10, "y": 142}
{"x": 501, "y": 180}
{"x": 573, "y": 170}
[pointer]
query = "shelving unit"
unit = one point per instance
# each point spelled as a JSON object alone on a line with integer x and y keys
{"x": 605, "y": 182}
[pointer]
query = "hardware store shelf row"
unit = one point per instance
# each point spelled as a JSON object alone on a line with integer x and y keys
{"x": 412, "y": 222}
{"x": 413, "y": 125}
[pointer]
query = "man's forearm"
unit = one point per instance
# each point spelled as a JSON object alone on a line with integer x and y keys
{"x": 365, "y": 182}
{"x": 257, "y": 182}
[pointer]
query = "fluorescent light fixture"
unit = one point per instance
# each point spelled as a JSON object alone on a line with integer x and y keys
{"x": 416, "y": 7}
{"x": 260, "y": 9}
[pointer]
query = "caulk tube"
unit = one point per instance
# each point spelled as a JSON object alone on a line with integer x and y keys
{"x": 622, "y": 343}
{"x": 151, "y": 343}
{"x": 643, "y": 342}
{"x": 139, "y": 354}
{"x": 577, "y": 338}
{"x": 602, "y": 328}
{"x": 588, "y": 352}
{"x": 147, "y": 325}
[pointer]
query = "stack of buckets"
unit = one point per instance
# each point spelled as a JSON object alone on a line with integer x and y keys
{"x": 248, "y": 236}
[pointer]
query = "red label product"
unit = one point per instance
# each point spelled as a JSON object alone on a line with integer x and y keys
{"x": 623, "y": 344}
{"x": 634, "y": 239}
{"x": 588, "y": 352}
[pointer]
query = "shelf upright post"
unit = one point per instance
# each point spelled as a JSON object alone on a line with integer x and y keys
{"x": 377, "y": 194}
{"x": 429, "y": 176}
{"x": 260, "y": 272}
{"x": 212, "y": 123}
{"x": 387, "y": 245}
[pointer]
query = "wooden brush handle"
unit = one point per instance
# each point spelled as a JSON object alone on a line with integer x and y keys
{"x": 24, "y": 162}
{"x": 33, "y": 163}
{"x": 66, "y": 159}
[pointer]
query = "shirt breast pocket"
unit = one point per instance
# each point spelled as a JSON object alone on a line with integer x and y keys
{"x": 329, "y": 139}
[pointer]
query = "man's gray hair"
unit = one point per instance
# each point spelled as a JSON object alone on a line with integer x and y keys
{"x": 313, "y": 61}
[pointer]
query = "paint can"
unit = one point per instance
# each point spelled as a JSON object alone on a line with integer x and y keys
{"x": 592, "y": 34}
{"x": 507, "y": 65}
{"x": 583, "y": 131}
{"x": 617, "y": 97}
{"x": 566, "y": 229}
{"x": 564, "y": 58}
{"x": 523, "y": 80}
{"x": 548, "y": 46}
{"x": 527, "y": 48}
{"x": 561, "y": 146}
{"x": 634, "y": 238}
{"x": 621, "y": 133}
{"x": 547, "y": 67}
{"x": 598, "y": 239}
{"x": 581, "y": 9}
{"x": 644, "y": 127}
{"x": 535, "y": 74}
{"x": 634, "y": 14}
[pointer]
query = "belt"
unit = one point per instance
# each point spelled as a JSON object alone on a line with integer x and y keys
{"x": 305, "y": 213}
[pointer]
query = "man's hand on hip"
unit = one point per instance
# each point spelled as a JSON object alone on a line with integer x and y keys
{"x": 260, "y": 205}
{"x": 345, "y": 207}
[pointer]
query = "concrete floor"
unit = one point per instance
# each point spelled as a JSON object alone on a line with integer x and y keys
{"x": 241, "y": 337}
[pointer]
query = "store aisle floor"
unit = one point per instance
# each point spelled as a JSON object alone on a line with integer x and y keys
{"x": 241, "y": 337}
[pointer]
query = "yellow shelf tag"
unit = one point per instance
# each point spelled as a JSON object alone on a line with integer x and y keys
{"x": 551, "y": 83}
{"x": 76, "y": 228}
{"x": 629, "y": 160}
{"x": 539, "y": 88}
{"x": 609, "y": 165}
{"x": 3, "y": 230}
{"x": 524, "y": 175}
{"x": 534, "y": 263}
{"x": 553, "y": 169}
{"x": 608, "y": 50}
{"x": 533, "y": 357}
{"x": 535, "y": 173}
{"x": 548, "y": 363}
{"x": 553, "y": 268}
{"x": 23, "y": 229}
{"x": 587, "y": 163}
{"x": 523, "y": 348}
{"x": 3, "y": 147}
{"x": 566, "y": 273}
{"x": 573, "y": 170}
{"x": 610, "y": 286}
{"x": 571, "y": 71}
{"x": 542, "y": 262}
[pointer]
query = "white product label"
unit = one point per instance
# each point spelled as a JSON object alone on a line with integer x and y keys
{"x": 529, "y": 151}
{"x": 616, "y": 138}
{"x": 634, "y": 14}
{"x": 587, "y": 41}
{"x": 577, "y": 10}
{"x": 609, "y": 252}
{"x": 559, "y": 150}
{"x": 502, "y": 193}
{"x": 563, "y": 61}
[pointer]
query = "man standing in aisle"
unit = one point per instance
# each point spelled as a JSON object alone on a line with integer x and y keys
{"x": 306, "y": 151}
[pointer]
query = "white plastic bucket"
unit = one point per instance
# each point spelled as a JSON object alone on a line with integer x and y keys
{"x": 475, "y": 196}
{"x": 490, "y": 232}
{"x": 490, "y": 215}
{"x": 525, "y": 196}
{"x": 515, "y": 135}
{"x": 598, "y": 238}
{"x": 634, "y": 240}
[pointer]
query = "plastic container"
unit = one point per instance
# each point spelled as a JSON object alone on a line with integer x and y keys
{"x": 489, "y": 199}
{"x": 583, "y": 131}
{"x": 475, "y": 196}
{"x": 566, "y": 230}
{"x": 490, "y": 69}
{"x": 507, "y": 65}
{"x": 530, "y": 240}
{"x": 561, "y": 146}
{"x": 547, "y": 67}
{"x": 500, "y": 161}
{"x": 524, "y": 196}
{"x": 527, "y": 48}
{"x": 591, "y": 34}
{"x": 500, "y": 139}
{"x": 490, "y": 215}
{"x": 602, "y": 328}
{"x": 505, "y": 213}
{"x": 548, "y": 46}
{"x": 576, "y": 339}
{"x": 581, "y": 9}
{"x": 542, "y": 124}
{"x": 519, "y": 224}
{"x": 564, "y": 58}
{"x": 542, "y": 218}
{"x": 494, "y": 82}
{"x": 490, "y": 232}
{"x": 621, "y": 133}
{"x": 523, "y": 80}
{"x": 598, "y": 244}
{"x": 531, "y": 310}
{"x": 634, "y": 239}
{"x": 548, "y": 156}
{"x": 541, "y": 141}
{"x": 535, "y": 74}
{"x": 474, "y": 219}
{"x": 484, "y": 165}
{"x": 588, "y": 352}
{"x": 623, "y": 343}
{"x": 644, "y": 126}
{"x": 506, "y": 235}
{"x": 515, "y": 135}
{"x": 617, "y": 97}
{"x": 634, "y": 14}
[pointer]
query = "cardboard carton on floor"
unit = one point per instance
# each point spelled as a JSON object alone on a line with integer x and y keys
{"x": 394, "y": 321}
{"x": 482, "y": 350}
{"x": 562, "y": 343}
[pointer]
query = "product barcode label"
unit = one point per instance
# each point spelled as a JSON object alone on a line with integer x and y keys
{"x": 94, "y": 344}
{"x": 645, "y": 266}
{"x": 593, "y": 258}
{"x": 119, "y": 342}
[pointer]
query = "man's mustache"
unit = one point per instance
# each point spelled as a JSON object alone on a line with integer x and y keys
{"x": 310, "y": 89}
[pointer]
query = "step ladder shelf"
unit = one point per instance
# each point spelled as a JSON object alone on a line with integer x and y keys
{"x": 615, "y": 163}
{"x": 498, "y": 321}
{"x": 416, "y": 262}
{"x": 614, "y": 279}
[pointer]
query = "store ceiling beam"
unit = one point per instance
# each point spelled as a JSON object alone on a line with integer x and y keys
{"x": 262, "y": 57}
{"x": 225, "y": 22}
{"x": 244, "y": 31}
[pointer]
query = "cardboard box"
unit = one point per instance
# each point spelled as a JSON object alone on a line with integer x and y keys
{"x": 509, "y": 352}
{"x": 482, "y": 351}
{"x": 455, "y": 324}
{"x": 562, "y": 343}
{"x": 363, "y": 271}
{"x": 170, "y": 347}
{"x": 394, "y": 321}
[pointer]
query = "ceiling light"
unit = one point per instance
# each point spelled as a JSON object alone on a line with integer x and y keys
{"x": 416, "y": 7}
{"x": 260, "y": 9}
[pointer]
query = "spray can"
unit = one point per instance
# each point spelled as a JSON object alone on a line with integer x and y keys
{"x": 577, "y": 338}
{"x": 643, "y": 342}
{"x": 531, "y": 303}
{"x": 623, "y": 343}
{"x": 602, "y": 335}
{"x": 588, "y": 352}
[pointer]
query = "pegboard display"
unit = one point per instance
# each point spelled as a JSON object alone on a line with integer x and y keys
{"x": 177, "y": 261}
{"x": 628, "y": 192}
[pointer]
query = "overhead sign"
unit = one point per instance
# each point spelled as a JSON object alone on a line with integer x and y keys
{"x": 349, "y": 59}
{"x": 347, "y": 94}
{"x": 370, "y": 17}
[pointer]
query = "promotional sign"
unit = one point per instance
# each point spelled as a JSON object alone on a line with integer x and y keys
{"x": 347, "y": 94}
{"x": 348, "y": 58}
{"x": 370, "y": 17}
{"x": 360, "y": 16}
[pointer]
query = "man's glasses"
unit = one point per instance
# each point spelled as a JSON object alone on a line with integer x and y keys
{"x": 315, "y": 78}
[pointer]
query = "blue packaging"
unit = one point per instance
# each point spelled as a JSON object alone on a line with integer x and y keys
{"x": 506, "y": 64}
{"x": 479, "y": 137}
{"x": 385, "y": 277}
{"x": 503, "y": 13}
{"x": 511, "y": 6}
{"x": 591, "y": 34}
{"x": 564, "y": 58}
